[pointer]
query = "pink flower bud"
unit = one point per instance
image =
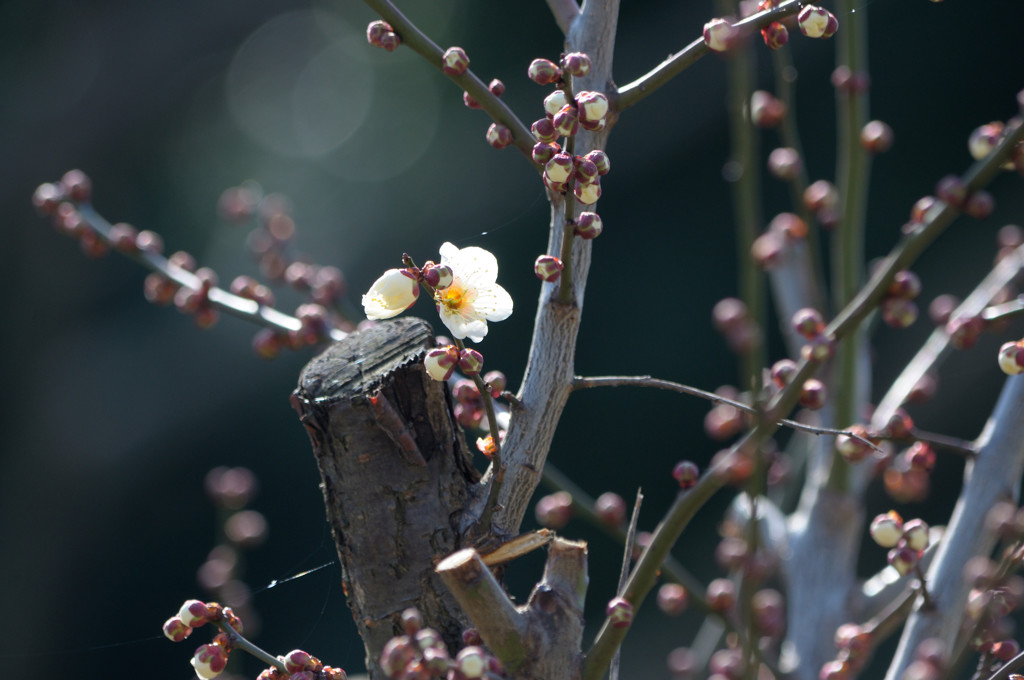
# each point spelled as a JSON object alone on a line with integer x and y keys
{"x": 439, "y": 276}
{"x": 454, "y": 61}
{"x": 559, "y": 168}
{"x": 785, "y": 163}
{"x": 566, "y": 121}
{"x": 1011, "y": 358}
{"x": 813, "y": 394}
{"x": 209, "y": 661}
{"x": 887, "y": 530}
{"x": 905, "y": 284}
{"x": 547, "y": 268}
{"x": 852, "y": 449}
{"x": 471, "y": 662}
{"x": 587, "y": 193}
{"x": 915, "y": 533}
{"x": 176, "y": 630}
{"x": 686, "y": 473}
{"x": 297, "y": 660}
{"x": 601, "y": 160}
{"x": 381, "y": 34}
{"x": 554, "y": 510}
{"x": 903, "y": 559}
{"x": 77, "y": 186}
{"x": 468, "y": 100}
{"x": 610, "y": 509}
{"x": 620, "y": 613}
{"x": 808, "y": 322}
{"x": 440, "y": 362}
{"x": 394, "y": 292}
{"x": 980, "y": 204}
{"x": 397, "y": 652}
{"x": 543, "y": 72}
{"x": 471, "y": 361}
{"x": 672, "y": 599}
{"x": 193, "y": 613}
{"x": 984, "y": 139}
{"x": 498, "y": 136}
{"x": 821, "y": 196}
{"x": 876, "y": 137}
{"x": 588, "y": 225}
{"x": 586, "y": 170}
{"x": 766, "y": 110}
{"x": 782, "y": 372}
{"x": 544, "y": 130}
{"x": 720, "y": 35}
{"x": 813, "y": 21}
{"x": 496, "y": 87}
{"x": 593, "y": 106}
{"x": 576, "y": 64}
{"x": 721, "y": 595}
{"x": 775, "y": 35}
{"x": 899, "y": 313}
{"x": 497, "y": 381}
{"x": 543, "y": 152}
{"x": 554, "y": 102}
{"x": 964, "y": 331}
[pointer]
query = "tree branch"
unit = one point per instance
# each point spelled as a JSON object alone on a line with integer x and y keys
{"x": 565, "y": 12}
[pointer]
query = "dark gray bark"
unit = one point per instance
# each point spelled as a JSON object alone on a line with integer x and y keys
{"x": 396, "y": 475}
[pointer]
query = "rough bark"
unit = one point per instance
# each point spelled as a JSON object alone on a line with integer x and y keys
{"x": 396, "y": 474}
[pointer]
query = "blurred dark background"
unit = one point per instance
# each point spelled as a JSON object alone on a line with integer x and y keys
{"x": 115, "y": 410}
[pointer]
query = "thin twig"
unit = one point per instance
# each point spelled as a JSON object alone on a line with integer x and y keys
{"x": 627, "y": 559}
{"x": 648, "y": 381}
{"x": 239, "y": 641}
{"x": 243, "y": 308}
{"x": 633, "y": 92}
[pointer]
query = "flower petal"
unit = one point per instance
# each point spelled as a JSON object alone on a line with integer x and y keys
{"x": 463, "y": 327}
{"x": 390, "y": 295}
{"x": 473, "y": 266}
{"x": 492, "y": 303}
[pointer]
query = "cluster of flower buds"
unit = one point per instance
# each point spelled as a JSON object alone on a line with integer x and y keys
{"x": 210, "y": 659}
{"x": 60, "y": 202}
{"x": 906, "y": 540}
{"x": 809, "y": 323}
{"x": 381, "y": 34}
{"x": 953, "y": 191}
{"x": 996, "y": 592}
{"x": 898, "y": 307}
{"x": 421, "y": 653}
{"x": 784, "y": 230}
{"x": 984, "y": 139}
{"x": 441, "y": 362}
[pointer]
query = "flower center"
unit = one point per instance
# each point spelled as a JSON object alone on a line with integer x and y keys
{"x": 452, "y": 298}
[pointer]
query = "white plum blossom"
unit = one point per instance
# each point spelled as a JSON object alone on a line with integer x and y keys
{"x": 474, "y": 297}
{"x": 390, "y": 295}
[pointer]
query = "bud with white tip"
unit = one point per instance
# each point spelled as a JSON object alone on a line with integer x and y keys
{"x": 588, "y": 225}
{"x": 719, "y": 35}
{"x": 559, "y": 168}
{"x": 1011, "y": 358}
{"x": 544, "y": 130}
{"x": 544, "y": 72}
{"x": 620, "y": 613}
{"x": 554, "y": 102}
{"x": 576, "y": 64}
{"x": 209, "y": 661}
{"x": 455, "y": 62}
{"x": 566, "y": 121}
{"x": 817, "y": 22}
{"x": 887, "y": 530}
{"x": 915, "y": 533}
{"x": 548, "y": 268}
{"x": 593, "y": 106}
{"x": 193, "y": 613}
{"x": 601, "y": 160}
{"x": 498, "y": 136}
{"x": 440, "y": 362}
{"x": 588, "y": 193}
{"x": 471, "y": 361}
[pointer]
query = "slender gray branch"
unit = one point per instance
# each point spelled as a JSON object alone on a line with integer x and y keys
{"x": 565, "y": 12}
